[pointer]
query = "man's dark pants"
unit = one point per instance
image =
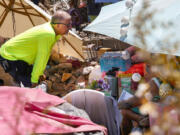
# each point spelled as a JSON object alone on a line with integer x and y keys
{"x": 19, "y": 70}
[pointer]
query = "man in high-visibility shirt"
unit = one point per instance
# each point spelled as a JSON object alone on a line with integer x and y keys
{"x": 26, "y": 55}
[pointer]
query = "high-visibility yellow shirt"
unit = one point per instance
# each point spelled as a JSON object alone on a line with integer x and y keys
{"x": 32, "y": 46}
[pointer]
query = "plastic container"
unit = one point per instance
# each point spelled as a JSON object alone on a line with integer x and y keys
{"x": 117, "y": 59}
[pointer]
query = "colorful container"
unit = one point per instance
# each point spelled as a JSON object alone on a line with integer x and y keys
{"x": 118, "y": 59}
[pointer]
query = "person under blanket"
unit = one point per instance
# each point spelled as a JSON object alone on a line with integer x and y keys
{"x": 102, "y": 110}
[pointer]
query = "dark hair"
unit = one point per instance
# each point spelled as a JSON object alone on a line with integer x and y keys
{"x": 59, "y": 16}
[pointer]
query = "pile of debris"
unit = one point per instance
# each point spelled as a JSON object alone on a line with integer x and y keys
{"x": 65, "y": 74}
{"x": 50, "y": 6}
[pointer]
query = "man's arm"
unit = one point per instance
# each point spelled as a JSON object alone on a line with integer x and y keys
{"x": 130, "y": 103}
{"x": 42, "y": 56}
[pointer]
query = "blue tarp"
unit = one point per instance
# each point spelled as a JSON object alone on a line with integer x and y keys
{"x": 162, "y": 39}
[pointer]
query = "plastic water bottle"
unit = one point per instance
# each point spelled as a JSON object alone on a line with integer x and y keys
{"x": 125, "y": 61}
{"x": 42, "y": 86}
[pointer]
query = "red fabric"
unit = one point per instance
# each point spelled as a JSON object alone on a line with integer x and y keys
{"x": 136, "y": 68}
{"x": 24, "y": 111}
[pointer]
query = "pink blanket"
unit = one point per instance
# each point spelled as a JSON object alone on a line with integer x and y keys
{"x": 24, "y": 111}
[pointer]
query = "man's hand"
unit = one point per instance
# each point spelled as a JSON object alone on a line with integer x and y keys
{"x": 42, "y": 78}
{"x": 34, "y": 85}
{"x": 124, "y": 105}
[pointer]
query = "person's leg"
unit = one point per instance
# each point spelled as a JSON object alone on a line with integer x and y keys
{"x": 126, "y": 123}
{"x": 25, "y": 80}
{"x": 20, "y": 72}
{"x": 10, "y": 68}
{"x": 23, "y": 73}
{"x": 128, "y": 117}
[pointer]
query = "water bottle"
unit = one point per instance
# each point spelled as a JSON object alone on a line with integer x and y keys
{"x": 43, "y": 86}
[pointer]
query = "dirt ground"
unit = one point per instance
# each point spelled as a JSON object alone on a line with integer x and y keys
{"x": 8, "y": 81}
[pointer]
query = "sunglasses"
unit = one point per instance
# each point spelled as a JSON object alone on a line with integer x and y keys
{"x": 67, "y": 25}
